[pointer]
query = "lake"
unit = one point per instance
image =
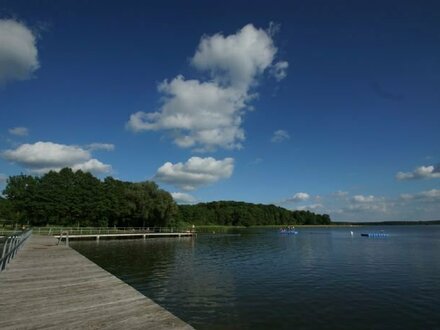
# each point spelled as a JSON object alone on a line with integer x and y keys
{"x": 322, "y": 278}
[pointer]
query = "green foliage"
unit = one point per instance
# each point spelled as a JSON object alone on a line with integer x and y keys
{"x": 68, "y": 198}
{"x": 7, "y": 214}
{"x": 230, "y": 213}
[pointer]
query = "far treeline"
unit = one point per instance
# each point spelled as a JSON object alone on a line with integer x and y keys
{"x": 390, "y": 223}
{"x": 68, "y": 198}
{"x": 230, "y": 213}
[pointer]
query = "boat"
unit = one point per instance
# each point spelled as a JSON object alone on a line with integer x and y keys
{"x": 375, "y": 235}
{"x": 288, "y": 231}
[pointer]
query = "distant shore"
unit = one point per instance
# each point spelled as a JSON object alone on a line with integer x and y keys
{"x": 388, "y": 223}
{"x": 335, "y": 224}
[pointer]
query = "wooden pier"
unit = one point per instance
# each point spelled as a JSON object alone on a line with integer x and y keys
{"x": 97, "y": 236}
{"x": 50, "y": 286}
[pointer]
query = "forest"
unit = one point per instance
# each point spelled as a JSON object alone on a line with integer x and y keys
{"x": 231, "y": 213}
{"x": 77, "y": 198}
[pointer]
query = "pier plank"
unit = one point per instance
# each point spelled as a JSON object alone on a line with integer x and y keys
{"x": 49, "y": 286}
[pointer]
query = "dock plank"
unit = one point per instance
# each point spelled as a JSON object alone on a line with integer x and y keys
{"x": 54, "y": 287}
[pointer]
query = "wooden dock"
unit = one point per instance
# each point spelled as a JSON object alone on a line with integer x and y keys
{"x": 97, "y": 236}
{"x": 49, "y": 286}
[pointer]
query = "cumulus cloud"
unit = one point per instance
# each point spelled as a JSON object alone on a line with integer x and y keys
{"x": 92, "y": 165}
{"x": 236, "y": 60}
{"x": 19, "y": 131}
{"x": 183, "y": 198}
{"x": 299, "y": 197}
{"x": 18, "y": 51}
{"x": 421, "y": 172}
{"x": 206, "y": 115}
{"x": 42, "y": 157}
{"x": 195, "y": 172}
{"x": 280, "y": 136}
{"x": 200, "y": 114}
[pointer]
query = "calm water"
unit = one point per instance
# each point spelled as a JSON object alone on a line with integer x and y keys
{"x": 258, "y": 279}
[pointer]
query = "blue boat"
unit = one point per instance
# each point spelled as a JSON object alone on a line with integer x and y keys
{"x": 375, "y": 235}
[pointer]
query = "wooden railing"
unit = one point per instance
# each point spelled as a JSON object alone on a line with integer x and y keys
{"x": 107, "y": 230}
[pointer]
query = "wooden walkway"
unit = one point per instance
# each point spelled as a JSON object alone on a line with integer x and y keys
{"x": 54, "y": 287}
{"x": 126, "y": 235}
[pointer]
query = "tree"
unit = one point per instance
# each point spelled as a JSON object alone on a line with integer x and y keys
{"x": 21, "y": 192}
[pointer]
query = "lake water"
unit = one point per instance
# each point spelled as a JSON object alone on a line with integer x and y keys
{"x": 322, "y": 278}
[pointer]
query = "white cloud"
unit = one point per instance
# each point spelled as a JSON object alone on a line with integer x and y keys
{"x": 426, "y": 196}
{"x": 19, "y": 131}
{"x": 280, "y": 136}
{"x": 42, "y": 157}
{"x": 195, "y": 172}
{"x": 206, "y": 115}
{"x": 311, "y": 207}
{"x": 18, "y": 51}
{"x": 183, "y": 198}
{"x": 101, "y": 146}
{"x": 421, "y": 172}
{"x": 44, "y": 154}
{"x": 199, "y": 114}
{"x": 279, "y": 70}
{"x": 362, "y": 204}
{"x": 3, "y": 178}
{"x": 424, "y": 205}
{"x": 364, "y": 199}
{"x": 367, "y": 207}
{"x": 299, "y": 197}
{"x": 237, "y": 59}
{"x": 92, "y": 165}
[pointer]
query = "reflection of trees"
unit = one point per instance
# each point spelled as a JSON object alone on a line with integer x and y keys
{"x": 134, "y": 261}
{"x": 187, "y": 276}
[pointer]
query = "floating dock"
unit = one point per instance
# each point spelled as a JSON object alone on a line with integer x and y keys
{"x": 50, "y": 286}
{"x": 375, "y": 235}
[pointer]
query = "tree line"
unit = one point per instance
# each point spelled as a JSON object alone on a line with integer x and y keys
{"x": 231, "y": 213}
{"x": 69, "y": 198}
{"x": 77, "y": 198}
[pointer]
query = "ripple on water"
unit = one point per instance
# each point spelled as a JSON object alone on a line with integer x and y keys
{"x": 320, "y": 278}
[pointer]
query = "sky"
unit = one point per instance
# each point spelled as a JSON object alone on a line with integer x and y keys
{"x": 327, "y": 106}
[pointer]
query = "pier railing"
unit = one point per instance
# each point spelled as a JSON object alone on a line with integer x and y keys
{"x": 107, "y": 230}
{"x": 11, "y": 245}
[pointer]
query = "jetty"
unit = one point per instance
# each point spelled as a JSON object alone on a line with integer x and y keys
{"x": 51, "y": 286}
{"x": 67, "y": 236}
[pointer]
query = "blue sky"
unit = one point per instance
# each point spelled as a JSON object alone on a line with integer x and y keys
{"x": 331, "y": 106}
